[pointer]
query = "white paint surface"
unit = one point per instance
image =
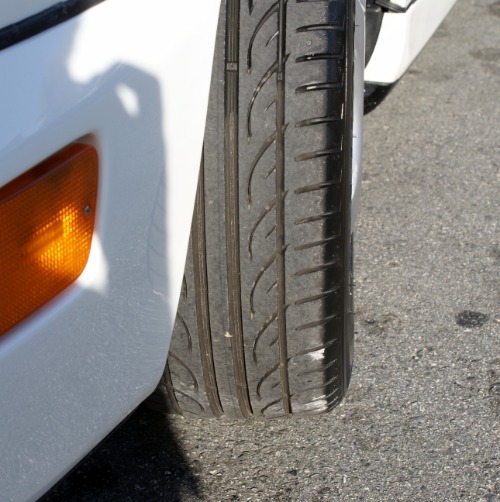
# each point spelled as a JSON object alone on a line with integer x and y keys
{"x": 402, "y": 37}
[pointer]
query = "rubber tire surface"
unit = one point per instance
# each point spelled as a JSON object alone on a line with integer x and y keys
{"x": 264, "y": 325}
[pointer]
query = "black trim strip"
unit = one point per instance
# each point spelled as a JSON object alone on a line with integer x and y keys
{"x": 387, "y": 4}
{"x": 375, "y": 94}
{"x": 373, "y": 19}
{"x": 48, "y": 18}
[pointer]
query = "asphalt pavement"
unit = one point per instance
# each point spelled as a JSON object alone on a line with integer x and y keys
{"x": 421, "y": 419}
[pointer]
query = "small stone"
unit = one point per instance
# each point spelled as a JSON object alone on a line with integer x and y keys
{"x": 495, "y": 388}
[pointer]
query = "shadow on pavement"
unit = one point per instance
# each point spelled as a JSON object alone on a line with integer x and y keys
{"x": 140, "y": 460}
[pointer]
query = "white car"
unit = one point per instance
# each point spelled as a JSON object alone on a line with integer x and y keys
{"x": 108, "y": 109}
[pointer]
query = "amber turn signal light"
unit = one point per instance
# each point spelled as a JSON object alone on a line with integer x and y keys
{"x": 46, "y": 224}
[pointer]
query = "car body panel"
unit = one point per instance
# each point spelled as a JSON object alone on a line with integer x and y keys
{"x": 73, "y": 370}
{"x": 357, "y": 147}
{"x": 402, "y": 37}
{"x": 404, "y": 4}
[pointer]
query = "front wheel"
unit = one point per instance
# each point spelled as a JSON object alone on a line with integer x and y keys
{"x": 264, "y": 325}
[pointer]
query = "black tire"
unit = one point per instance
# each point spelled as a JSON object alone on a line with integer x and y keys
{"x": 264, "y": 325}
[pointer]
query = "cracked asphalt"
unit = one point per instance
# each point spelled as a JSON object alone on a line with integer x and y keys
{"x": 421, "y": 419}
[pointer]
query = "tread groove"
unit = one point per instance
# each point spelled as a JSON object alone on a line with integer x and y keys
{"x": 319, "y": 120}
{"x": 318, "y": 268}
{"x": 320, "y": 296}
{"x": 314, "y": 244}
{"x": 323, "y": 346}
{"x": 261, "y": 216}
{"x": 263, "y": 149}
{"x": 261, "y": 272}
{"x": 262, "y": 82}
{"x": 320, "y": 369}
{"x": 186, "y": 367}
{"x": 280, "y": 208}
{"x": 186, "y": 329}
{"x": 199, "y": 249}
{"x": 318, "y": 56}
{"x": 319, "y": 322}
{"x": 317, "y": 186}
{"x": 267, "y": 374}
{"x": 231, "y": 170}
{"x": 262, "y": 411}
{"x": 317, "y": 217}
{"x": 319, "y": 86}
{"x": 192, "y": 399}
{"x": 320, "y": 153}
{"x": 272, "y": 10}
{"x": 320, "y": 27}
{"x": 169, "y": 387}
{"x": 261, "y": 331}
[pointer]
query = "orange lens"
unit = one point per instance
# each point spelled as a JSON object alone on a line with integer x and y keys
{"x": 46, "y": 226}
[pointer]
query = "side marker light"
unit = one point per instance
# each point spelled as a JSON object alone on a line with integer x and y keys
{"x": 46, "y": 224}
